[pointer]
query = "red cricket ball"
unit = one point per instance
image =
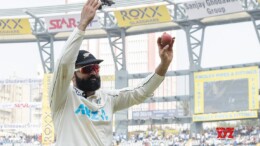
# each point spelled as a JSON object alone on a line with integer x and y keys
{"x": 166, "y": 39}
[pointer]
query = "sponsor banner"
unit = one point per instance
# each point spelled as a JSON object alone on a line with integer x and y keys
{"x": 47, "y": 123}
{"x": 225, "y": 116}
{"x": 15, "y": 26}
{"x": 142, "y": 16}
{"x": 156, "y": 114}
{"x": 108, "y": 78}
{"x": 19, "y": 126}
{"x": 251, "y": 74}
{"x": 64, "y": 23}
{"x": 21, "y": 81}
{"x": 20, "y": 105}
{"x": 207, "y": 8}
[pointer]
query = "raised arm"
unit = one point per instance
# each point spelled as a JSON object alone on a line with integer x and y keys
{"x": 64, "y": 69}
{"x": 88, "y": 13}
{"x": 128, "y": 97}
{"x": 166, "y": 55}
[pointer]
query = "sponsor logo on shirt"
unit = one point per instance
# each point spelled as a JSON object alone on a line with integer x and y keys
{"x": 99, "y": 115}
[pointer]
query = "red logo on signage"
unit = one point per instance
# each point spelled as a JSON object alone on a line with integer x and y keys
{"x": 21, "y": 105}
{"x": 225, "y": 132}
{"x": 59, "y": 23}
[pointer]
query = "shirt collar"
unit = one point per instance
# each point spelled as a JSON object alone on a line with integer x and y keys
{"x": 82, "y": 93}
{"x": 79, "y": 92}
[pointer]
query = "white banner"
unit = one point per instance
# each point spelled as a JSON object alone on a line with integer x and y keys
{"x": 19, "y": 126}
{"x": 64, "y": 23}
{"x": 207, "y": 8}
{"x": 21, "y": 81}
{"x": 21, "y": 105}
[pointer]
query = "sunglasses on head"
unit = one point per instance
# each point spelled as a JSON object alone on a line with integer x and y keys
{"x": 88, "y": 69}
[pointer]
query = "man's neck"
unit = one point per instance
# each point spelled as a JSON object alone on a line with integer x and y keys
{"x": 89, "y": 93}
{"x": 85, "y": 94}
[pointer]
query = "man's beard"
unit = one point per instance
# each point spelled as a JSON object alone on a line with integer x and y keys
{"x": 88, "y": 84}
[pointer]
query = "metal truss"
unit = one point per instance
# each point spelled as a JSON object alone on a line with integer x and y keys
{"x": 254, "y": 17}
{"x": 249, "y": 4}
{"x": 194, "y": 30}
{"x": 195, "y": 37}
{"x": 178, "y": 12}
{"x": 117, "y": 45}
{"x": 45, "y": 43}
{"x": 116, "y": 39}
{"x": 37, "y": 24}
{"x": 107, "y": 20}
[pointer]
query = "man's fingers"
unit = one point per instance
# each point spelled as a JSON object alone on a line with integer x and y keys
{"x": 159, "y": 43}
{"x": 95, "y": 2}
{"x": 159, "y": 40}
{"x": 165, "y": 48}
{"x": 172, "y": 42}
{"x": 97, "y": 5}
{"x": 90, "y": 2}
{"x": 87, "y": 3}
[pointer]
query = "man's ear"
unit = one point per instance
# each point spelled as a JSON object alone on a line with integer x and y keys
{"x": 74, "y": 78}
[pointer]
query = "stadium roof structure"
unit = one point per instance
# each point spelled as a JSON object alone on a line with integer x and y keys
{"x": 38, "y": 12}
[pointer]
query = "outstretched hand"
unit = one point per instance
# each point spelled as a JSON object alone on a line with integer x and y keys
{"x": 165, "y": 52}
{"x": 88, "y": 13}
